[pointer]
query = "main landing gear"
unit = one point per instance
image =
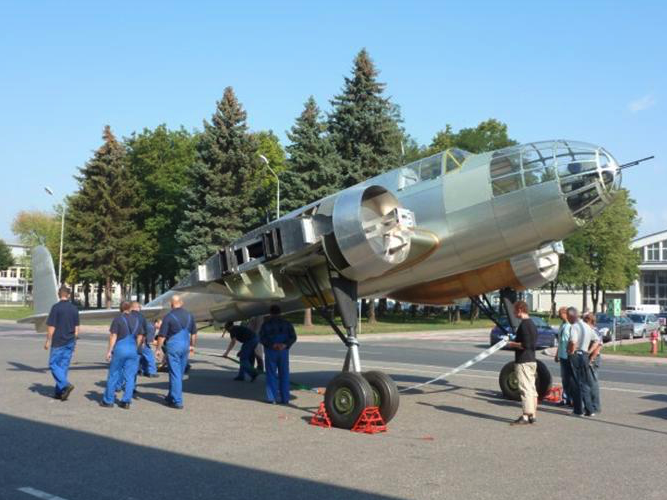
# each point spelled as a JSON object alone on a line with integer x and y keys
{"x": 507, "y": 377}
{"x": 351, "y": 391}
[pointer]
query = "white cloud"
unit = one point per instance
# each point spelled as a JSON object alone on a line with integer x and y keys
{"x": 645, "y": 102}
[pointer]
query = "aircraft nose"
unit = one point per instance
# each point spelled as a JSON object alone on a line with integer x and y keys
{"x": 588, "y": 177}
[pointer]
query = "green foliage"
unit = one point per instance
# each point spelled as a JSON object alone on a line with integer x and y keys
{"x": 364, "y": 125}
{"x": 159, "y": 160}
{"x": 6, "y": 257}
{"x": 314, "y": 166}
{"x": 489, "y": 135}
{"x": 102, "y": 238}
{"x": 219, "y": 205}
{"x": 599, "y": 255}
{"x": 34, "y": 227}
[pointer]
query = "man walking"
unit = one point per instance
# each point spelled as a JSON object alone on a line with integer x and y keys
{"x": 525, "y": 363}
{"x": 147, "y": 365}
{"x": 61, "y": 334}
{"x": 179, "y": 333}
{"x": 277, "y": 335}
{"x": 125, "y": 336}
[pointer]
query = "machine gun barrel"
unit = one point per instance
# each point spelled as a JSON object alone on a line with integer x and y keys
{"x": 636, "y": 162}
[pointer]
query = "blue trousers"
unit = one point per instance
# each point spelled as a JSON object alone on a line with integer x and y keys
{"x": 595, "y": 387}
{"x": 581, "y": 383}
{"x": 246, "y": 358}
{"x": 178, "y": 349}
{"x": 566, "y": 377}
{"x": 147, "y": 364}
{"x": 122, "y": 370}
{"x": 59, "y": 360}
{"x": 276, "y": 364}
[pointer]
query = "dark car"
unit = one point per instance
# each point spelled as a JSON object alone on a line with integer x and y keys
{"x": 662, "y": 319}
{"x": 546, "y": 335}
{"x": 624, "y": 327}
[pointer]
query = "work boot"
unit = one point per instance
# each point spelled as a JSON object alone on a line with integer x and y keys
{"x": 522, "y": 420}
{"x": 66, "y": 392}
{"x": 106, "y": 405}
{"x": 124, "y": 405}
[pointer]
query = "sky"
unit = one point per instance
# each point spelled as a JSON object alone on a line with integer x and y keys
{"x": 592, "y": 71}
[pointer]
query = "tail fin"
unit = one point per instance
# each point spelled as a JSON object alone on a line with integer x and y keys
{"x": 44, "y": 284}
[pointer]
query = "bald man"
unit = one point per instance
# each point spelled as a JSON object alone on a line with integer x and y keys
{"x": 178, "y": 333}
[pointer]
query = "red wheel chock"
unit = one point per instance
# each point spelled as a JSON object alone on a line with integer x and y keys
{"x": 321, "y": 419}
{"x": 554, "y": 394}
{"x": 370, "y": 421}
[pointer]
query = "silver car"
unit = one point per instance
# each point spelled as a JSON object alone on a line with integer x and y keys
{"x": 625, "y": 328}
{"x": 644, "y": 324}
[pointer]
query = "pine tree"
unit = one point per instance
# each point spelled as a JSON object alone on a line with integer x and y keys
{"x": 314, "y": 166}
{"x": 219, "y": 207}
{"x": 364, "y": 124}
{"x": 102, "y": 239}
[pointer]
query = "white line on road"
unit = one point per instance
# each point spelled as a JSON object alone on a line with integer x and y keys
{"x": 39, "y": 494}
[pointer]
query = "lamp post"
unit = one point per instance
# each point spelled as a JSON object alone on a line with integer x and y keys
{"x": 62, "y": 234}
{"x": 263, "y": 158}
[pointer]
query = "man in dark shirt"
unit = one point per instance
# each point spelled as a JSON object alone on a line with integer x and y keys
{"x": 125, "y": 335}
{"x": 179, "y": 332}
{"x": 147, "y": 365}
{"x": 249, "y": 341}
{"x": 61, "y": 334}
{"x": 525, "y": 363}
{"x": 277, "y": 336}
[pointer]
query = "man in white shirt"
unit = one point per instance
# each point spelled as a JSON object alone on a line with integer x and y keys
{"x": 581, "y": 337}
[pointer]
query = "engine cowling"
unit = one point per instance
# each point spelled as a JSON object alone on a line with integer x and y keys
{"x": 371, "y": 232}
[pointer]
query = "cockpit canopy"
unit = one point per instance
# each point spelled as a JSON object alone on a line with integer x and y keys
{"x": 432, "y": 167}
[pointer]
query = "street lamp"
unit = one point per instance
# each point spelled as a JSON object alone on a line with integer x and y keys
{"x": 263, "y": 158}
{"x": 62, "y": 235}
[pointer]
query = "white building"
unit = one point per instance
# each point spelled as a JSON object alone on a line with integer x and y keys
{"x": 651, "y": 286}
{"x": 14, "y": 284}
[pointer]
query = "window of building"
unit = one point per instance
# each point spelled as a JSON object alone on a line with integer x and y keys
{"x": 3, "y": 274}
{"x": 12, "y": 272}
{"x": 653, "y": 252}
{"x": 22, "y": 272}
{"x": 664, "y": 250}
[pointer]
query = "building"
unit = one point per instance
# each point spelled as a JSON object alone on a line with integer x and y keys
{"x": 651, "y": 286}
{"x": 14, "y": 282}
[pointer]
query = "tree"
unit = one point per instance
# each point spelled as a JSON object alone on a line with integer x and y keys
{"x": 34, "y": 227}
{"x": 6, "y": 257}
{"x": 598, "y": 257}
{"x": 103, "y": 241}
{"x": 159, "y": 160}
{"x": 364, "y": 124}
{"x": 313, "y": 167}
{"x": 219, "y": 204}
{"x": 263, "y": 184}
{"x": 489, "y": 135}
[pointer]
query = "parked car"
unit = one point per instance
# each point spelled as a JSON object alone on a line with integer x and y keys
{"x": 546, "y": 335}
{"x": 644, "y": 324}
{"x": 625, "y": 328}
{"x": 662, "y": 319}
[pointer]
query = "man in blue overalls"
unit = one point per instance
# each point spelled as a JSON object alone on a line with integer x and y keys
{"x": 147, "y": 365}
{"x": 249, "y": 341}
{"x": 179, "y": 332}
{"x": 61, "y": 334}
{"x": 125, "y": 336}
{"x": 277, "y": 335}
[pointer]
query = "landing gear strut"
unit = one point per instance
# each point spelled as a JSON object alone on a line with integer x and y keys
{"x": 350, "y": 392}
{"x": 507, "y": 377}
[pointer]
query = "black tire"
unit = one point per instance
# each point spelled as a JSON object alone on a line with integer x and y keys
{"x": 346, "y": 397}
{"x": 510, "y": 387}
{"x": 385, "y": 393}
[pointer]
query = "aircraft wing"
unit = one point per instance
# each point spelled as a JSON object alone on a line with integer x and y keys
{"x": 39, "y": 320}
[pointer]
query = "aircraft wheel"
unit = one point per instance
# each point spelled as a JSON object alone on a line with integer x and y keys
{"x": 385, "y": 393}
{"x": 346, "y": 397}
{"x": 509, "y": 384}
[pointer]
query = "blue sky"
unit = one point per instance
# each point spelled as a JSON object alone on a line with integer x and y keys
{"x": 592, "y": 71}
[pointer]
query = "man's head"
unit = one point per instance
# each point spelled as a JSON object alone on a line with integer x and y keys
{"x": 572, "y": 314}
{"x": 125, "y": 306}
{"x": 176, "y": 302}
{"x": 63, "y": 293}
{"x": 229, "y": 325}
{"x": 274, "y": 310}
{"x": 135, "y": 306}
{"x": 562, "y": 313}
{"x": 589, "y": 318}
{"x": 520, "y": 308}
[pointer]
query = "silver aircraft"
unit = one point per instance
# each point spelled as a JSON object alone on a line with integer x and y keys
{"x": 450, "y": 226}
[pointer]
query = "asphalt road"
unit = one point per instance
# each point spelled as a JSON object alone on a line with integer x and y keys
{"x": 451, "y": 440}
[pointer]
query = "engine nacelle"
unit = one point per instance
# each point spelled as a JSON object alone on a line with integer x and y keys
{"x": 371, "y": 232}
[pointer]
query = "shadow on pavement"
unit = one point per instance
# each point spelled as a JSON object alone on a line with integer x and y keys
{"x": 43, "y": 390}
{"x": 81, "y": 466}
{"x": 21, "y": 367}
{"x": 467, "y": 413}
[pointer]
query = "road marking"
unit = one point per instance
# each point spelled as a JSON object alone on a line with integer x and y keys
{"x": 39, "y": 494}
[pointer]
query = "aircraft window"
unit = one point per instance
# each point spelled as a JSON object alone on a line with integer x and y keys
{"x": 455, "y": 158}
{"x": 430, "y": 168}
{"x": 409, "y": 175}
{"x": 575, "y": 161}
{"x": 504, "y": 163}
{"x": 535, "y": 158}
{"x": 506, "y": 184}
{"x": 539, "y": 175}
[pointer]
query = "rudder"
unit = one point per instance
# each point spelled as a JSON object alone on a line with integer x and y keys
{"x": 44, "y": 283}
